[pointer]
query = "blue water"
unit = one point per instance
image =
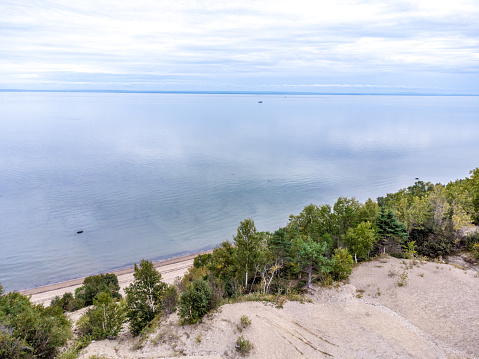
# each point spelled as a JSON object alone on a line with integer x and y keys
{"x": 159, "y": 175}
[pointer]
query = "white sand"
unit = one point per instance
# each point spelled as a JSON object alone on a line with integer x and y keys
{"x": 434, "y": 315}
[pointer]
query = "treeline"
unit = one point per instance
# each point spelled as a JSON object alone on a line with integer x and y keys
{"x": 320, "y": 244}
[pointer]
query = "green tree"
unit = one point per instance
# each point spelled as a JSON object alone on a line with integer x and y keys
{"x": 195, "y": 302}
{"x": 360, "y": 240}
{"x": 29, "y": 329}
{"x": 105, "y": 319}
{"x": 310, "y": 255}
{"x": 389, "y": 229}
{"x": 95, "y": 284}
{"x": 343, "y": 264}
{"x": 248, "y": 245}
{"x": 143, "y": 296}
{"x": 223, "y": 265}
{"x": 345, "y": 214}
{"x": 280, "y": 246}
{"x": 474, "y": 186}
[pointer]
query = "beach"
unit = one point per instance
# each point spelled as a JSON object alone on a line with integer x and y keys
{"x": 169, "y": 269}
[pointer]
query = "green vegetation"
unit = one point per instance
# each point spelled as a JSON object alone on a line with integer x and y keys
{"x": 144, "y": 296}
{"x": 30, "y": 331}
{"x": 195, "y": 302}
{"x": 317, "y": 245}
{"x": 86, "y": 294}
{"x": 243, "y": 346}
{"x": 104, "y": 320}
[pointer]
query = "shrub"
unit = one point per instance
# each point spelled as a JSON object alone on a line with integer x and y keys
{"x": 170, "y": 300}
{"x": 245, "y": 321}
{"x": 11, "y": 347}
{"x": 104, "y": 320}
{"x": 95, "y": 284}
{"x": 475, "y": 250}
{"x": 195, "y": 302}
{"x": 202, "y": 260}
{"x": 243, "y": 346}
{"x": 343, "y": 264}
{"x": 29, "y": 329}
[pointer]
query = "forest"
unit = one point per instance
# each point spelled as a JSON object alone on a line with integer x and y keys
{"x": 319, "y": 245}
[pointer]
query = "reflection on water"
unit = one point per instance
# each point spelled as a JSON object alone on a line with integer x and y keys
{"x": 158, "y": 175}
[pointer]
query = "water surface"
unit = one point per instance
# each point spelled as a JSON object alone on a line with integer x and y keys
{"x": 159, "y": 175}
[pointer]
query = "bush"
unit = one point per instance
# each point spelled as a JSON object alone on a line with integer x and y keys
{"x": 243, "y": 346}
{"x": 170, "y": 300}
{"x": 202, "y": 260}
{"x": 104, "y": 320}
{"x": 195, "y": 302}
{"x": 475, "y": 250}
{"x": 95, "y": 284}
{"x": 29, "y": 329}
{"x": 343, "y": 264}
{"x": 11, "y": 347}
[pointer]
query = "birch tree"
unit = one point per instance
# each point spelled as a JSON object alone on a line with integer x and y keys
{"x": 143, "y": 296}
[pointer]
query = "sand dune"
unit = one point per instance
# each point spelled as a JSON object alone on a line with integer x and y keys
{"x": 434, "y": 314}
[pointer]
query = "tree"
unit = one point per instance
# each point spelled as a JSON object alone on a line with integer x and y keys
{"x": 143, "y": 296}
{"x": 360, "y": 240}
{"x": 195, "y": 302}
{"x": 95, "y": 284}
{"x": 311, "y": 255}
{"x": 345, "y": 214}
{"x": 105, "y": 319}
{"x": 223, "y": 265}
{"x": 248, "y": 248}
{"x": 29, "y": 329}
{"x": 474, "y": 180}
{"x": 343, "y": 264}
{"x": 389, "y": 229}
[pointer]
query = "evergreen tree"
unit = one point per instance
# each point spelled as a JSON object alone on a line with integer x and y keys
{"x": 389, "y": 229}
{"x": 310, "y": 255}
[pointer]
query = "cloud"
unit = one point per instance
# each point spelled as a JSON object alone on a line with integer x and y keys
{"x": 237, "y": 41}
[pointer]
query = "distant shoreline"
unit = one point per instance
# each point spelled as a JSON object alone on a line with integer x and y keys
{"x": 299, "y": 93}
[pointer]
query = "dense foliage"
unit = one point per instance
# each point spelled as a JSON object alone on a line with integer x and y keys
{"x": 144, "y": 296}
{"x": 105, "y": 319}
{"x": 86, "y": 294}
{"x": 195, "y": 302}
{"x": 30, "y": 331}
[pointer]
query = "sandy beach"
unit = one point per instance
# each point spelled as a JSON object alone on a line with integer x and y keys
{"x": 169, "y": 269}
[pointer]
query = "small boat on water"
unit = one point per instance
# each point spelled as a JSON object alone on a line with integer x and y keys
{"x": 260, "y": 101}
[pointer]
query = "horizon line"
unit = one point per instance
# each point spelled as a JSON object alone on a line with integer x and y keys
{"x": 239, "y": 92}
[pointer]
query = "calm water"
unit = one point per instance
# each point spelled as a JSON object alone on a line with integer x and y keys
{"x": 159, "y": 175}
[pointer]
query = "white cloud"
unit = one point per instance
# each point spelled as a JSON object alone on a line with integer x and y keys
{"x": 251, "y": 38}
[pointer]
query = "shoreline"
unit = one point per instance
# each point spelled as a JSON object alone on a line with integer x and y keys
{"x": 168, "y": 268}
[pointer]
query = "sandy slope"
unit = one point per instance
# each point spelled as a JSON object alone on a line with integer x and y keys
{"x": 434, "y": 315}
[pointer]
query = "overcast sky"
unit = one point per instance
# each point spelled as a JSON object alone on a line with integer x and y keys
{"x": 246, "y": 45}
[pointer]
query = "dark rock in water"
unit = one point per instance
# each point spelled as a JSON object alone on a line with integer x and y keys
{"x": 79, "y": 232}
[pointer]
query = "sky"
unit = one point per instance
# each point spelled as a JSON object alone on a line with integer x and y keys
{"x": 341, "y": 46}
